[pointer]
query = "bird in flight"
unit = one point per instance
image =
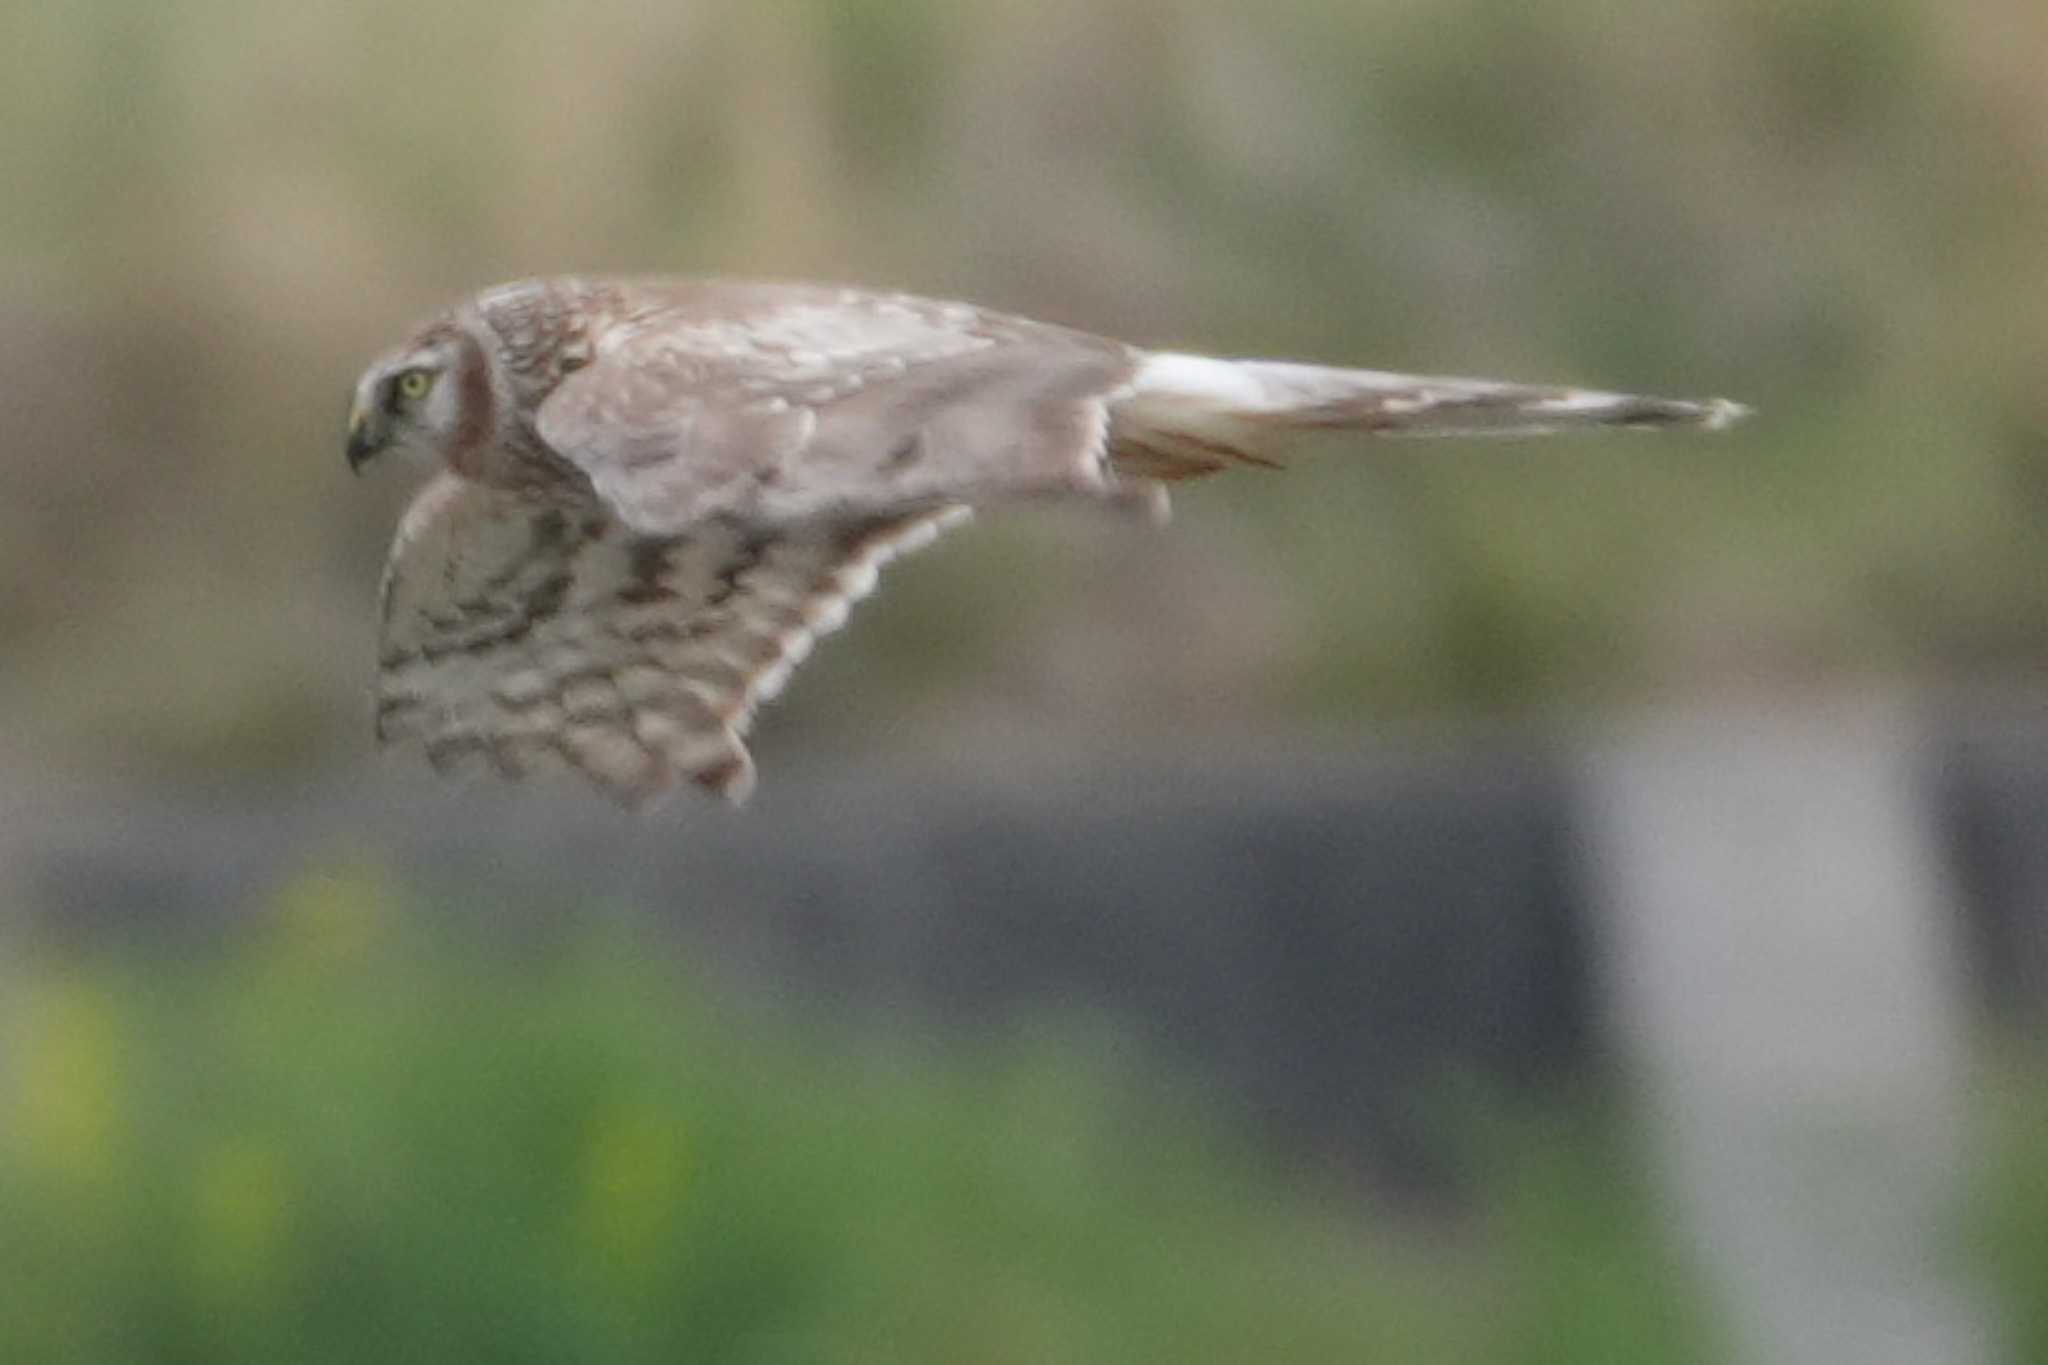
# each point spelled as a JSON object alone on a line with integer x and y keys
{"x": 652, "y": 496}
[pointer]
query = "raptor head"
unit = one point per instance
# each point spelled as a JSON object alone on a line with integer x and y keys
{"x": 415, "y": 398}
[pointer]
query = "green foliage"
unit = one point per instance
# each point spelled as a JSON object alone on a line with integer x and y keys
{"x": 1591, "y": 1277}
{"x": 344, "y": 1138}
{"x": 2010, "y": 1222}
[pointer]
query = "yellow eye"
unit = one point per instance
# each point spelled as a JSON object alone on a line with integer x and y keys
{"x": 413, "y": 384}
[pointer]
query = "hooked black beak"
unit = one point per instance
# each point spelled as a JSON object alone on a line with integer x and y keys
{"x": 364, "y": 440}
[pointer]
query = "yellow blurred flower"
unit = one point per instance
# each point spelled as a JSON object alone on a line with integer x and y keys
{"x": 331, "y": 918}
{"x": 631, "y": 1182}
{"x": 242, "y": 1198}
{"x": 68, "y": 1074}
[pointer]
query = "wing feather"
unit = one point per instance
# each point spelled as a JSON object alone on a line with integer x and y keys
{"x": 779, "y": 403}
{"x": 525, "y": 636}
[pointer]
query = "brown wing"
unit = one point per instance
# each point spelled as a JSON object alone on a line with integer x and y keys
{"x": 775, "y": 403}
{"x": 527, "y": 636}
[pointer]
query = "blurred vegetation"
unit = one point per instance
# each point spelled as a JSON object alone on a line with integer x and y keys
{"x": 351, "y": 1131}
{"x": 2010, "y": 1221}
{"x": 1831, "y": 208}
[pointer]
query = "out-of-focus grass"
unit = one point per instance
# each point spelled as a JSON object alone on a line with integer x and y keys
{"x": 348, "y": 1139}
{"x": 2010, "y": 1219}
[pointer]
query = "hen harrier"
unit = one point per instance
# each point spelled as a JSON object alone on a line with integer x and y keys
{"x": 653, "y": 495}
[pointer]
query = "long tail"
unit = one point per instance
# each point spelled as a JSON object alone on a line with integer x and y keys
{"x": 1186, "y": 415}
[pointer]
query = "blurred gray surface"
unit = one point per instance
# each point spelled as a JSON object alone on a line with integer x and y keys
{"x": 1781, "y": 932}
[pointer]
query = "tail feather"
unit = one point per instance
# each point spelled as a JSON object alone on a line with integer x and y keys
{"x": 1187, "y": 415}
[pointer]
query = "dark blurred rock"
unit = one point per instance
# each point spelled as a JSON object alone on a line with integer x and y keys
{"x": 1990, "y": 790}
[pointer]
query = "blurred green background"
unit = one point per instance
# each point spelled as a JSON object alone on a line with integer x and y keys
{"x": 358, "y": 1129}
{"x": 348, "y": 1131}
{"x": 351, "y": 1139}
{"x": 1833, "y": 209}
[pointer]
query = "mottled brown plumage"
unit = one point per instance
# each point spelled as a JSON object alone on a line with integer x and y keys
{"x": 655, "y": 494}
